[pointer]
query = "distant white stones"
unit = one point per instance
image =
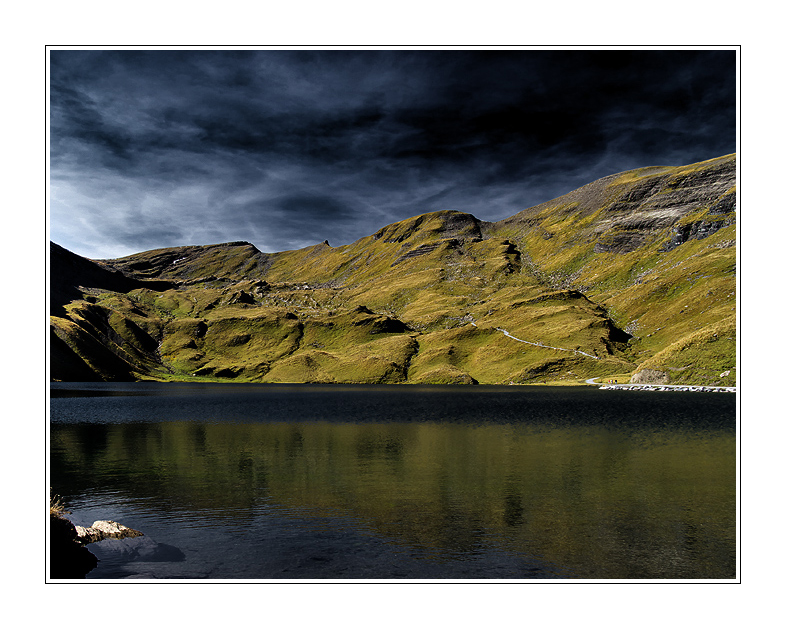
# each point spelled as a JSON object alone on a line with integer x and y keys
{"x": 667, "y": 387}
{"x": 725, "y": 373}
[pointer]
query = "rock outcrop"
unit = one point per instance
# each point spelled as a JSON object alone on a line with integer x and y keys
{"x": 68, "y": 557}
{"x": 650, "y": 376}
{"x": 104, "y": 529}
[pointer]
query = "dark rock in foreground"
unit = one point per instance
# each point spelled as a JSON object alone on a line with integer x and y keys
{"x": 68, "y": 558}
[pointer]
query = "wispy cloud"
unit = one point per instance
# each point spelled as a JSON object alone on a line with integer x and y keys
{"x": 289, "y": 148}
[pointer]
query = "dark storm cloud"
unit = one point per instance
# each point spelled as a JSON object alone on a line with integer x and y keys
{"x": 289, "y": 148}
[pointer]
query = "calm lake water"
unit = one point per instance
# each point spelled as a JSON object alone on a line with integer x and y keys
{"x": 311, "y": 482}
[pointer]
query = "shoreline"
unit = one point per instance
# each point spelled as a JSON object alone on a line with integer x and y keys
{"x": 667, "y": 387}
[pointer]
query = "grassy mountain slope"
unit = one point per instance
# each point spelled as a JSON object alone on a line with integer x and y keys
{"x": 634, "y": 271}
{"x": 657, "y": 247}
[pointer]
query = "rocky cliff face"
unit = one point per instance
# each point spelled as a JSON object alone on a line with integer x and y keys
{"x": 628, "y": 211}
{"x": 633, "y": 271}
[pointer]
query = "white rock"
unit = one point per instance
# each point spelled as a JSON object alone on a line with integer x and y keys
{"x": 103, "y": 529}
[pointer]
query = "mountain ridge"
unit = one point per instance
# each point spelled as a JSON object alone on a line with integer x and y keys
{"x": 583, "y": 281}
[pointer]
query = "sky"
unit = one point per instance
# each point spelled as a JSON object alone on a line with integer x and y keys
{"x": 288, "y": 148}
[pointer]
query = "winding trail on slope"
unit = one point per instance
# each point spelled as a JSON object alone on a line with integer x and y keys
{"x": 538, "y": 344}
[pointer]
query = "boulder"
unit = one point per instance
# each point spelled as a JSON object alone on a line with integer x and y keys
{"x": 103, "y": 529}
{"x": 650, "y": 376}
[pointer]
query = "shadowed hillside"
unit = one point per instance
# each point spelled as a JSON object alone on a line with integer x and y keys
{"x": 633, "y": 272}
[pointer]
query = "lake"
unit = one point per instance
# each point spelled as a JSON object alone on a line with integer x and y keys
{"x": 313, "y": 482}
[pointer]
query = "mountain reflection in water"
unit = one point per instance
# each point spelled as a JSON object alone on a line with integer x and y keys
{"x": 316, "y": 482}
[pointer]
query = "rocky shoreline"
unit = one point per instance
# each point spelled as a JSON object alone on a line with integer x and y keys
{"x": 667, "y": 387}
{"x": 68, "y": 556}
